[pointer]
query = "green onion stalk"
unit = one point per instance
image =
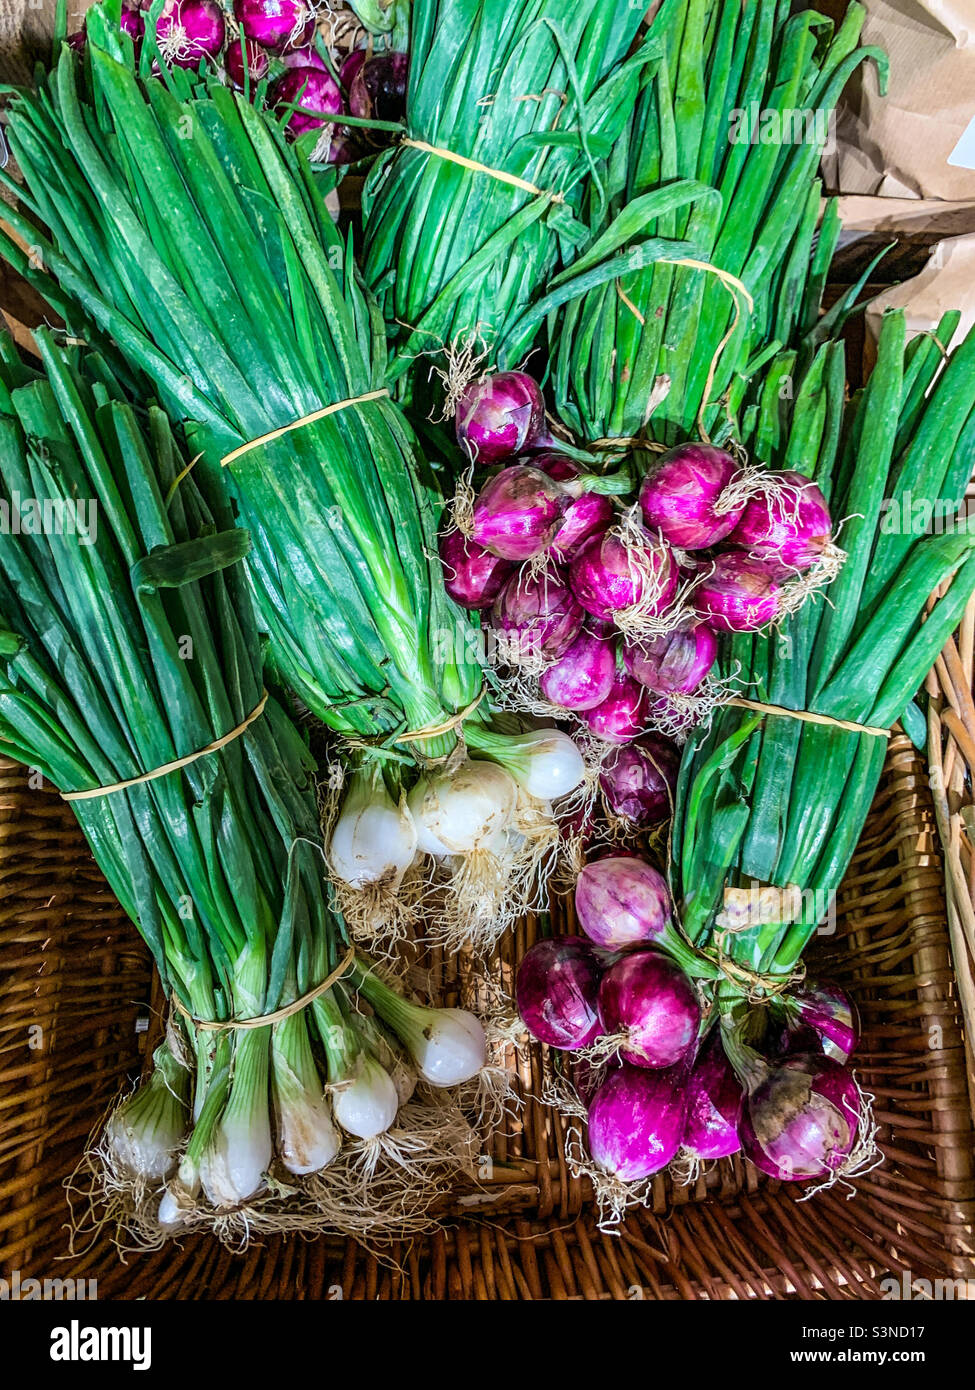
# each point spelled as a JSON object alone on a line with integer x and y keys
{"x": 771, "y": 802}
{"x": 537, "y": 92}
{"x": 128, "y": 644}
{"x": 176, "y": 220}
{"x": 718, "y": 164}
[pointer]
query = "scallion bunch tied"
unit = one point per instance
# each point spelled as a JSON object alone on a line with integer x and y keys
{"x": 131, "y": 678}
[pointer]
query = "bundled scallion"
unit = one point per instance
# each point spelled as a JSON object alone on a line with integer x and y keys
{"x": 779, "y": 801}
{"x": 130, "y": 677}
{"x": 721, "y": 155}
{"x": 181, "y": 222}
{"x": 511, "y": 109}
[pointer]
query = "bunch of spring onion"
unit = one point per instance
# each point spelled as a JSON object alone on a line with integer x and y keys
{"x": 779, "y": 801}
{"x": 735, "y": 112}
{"x": 128, "y": 643}
{"x": 770, "y": 807}
{"x": 271, "y": 51}
{"x": 605, "y": 599}
{"x": 536, "y": 92}
{"x": 182, "y": 224}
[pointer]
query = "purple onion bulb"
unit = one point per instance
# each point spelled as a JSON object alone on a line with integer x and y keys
{"x": 636, "y": 1119}
{"x": 309, "y": 90}
{"x": 675, "y": 663}
{"x": 189, "y": 30}
{"x": 681, "y": 497}
{"x": 276, "y": 24}
{"x": 738, "y": 595}
{"x": 609, "y": 576}
{"x": 714, "y": 1104}
{"x": 802, "y": 1121}
{"x": 622, "y": 716}
{"x": 499, "y": 416}
{"x": 583, "y": 676}
{"x": 639, "y": 780}
{"x": 473, "y": 577}
{"x": 377, "y": 90}
{"x": 820, "y": 1017}
{"x": 649, "y": 1000}
{"x": 536, "y": 618}
{"x": 256, "y": 68}
{"x": 621, "y": 901}
{"x": 585, "y": 516}
{"x": 516, "y": 514}
{"x": 556, "y": 992}
{"x": 788, "y": 527}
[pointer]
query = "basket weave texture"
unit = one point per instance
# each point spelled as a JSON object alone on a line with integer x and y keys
{"x": 75, "y": 981}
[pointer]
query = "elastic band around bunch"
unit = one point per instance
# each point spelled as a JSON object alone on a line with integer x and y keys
{"x": 502, "y": 177}
{"x": 176, "y": 764}
{"x": 279, "y": 1015}
{"x": 327, "y": 410}
{"x": 435, "y": 730}
{"x": 809, "y": 717}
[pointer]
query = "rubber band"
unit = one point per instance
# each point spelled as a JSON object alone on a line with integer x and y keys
{"x": 809, "y": 717}
{"x": 279, "y": 1015}
{"x": 477, "y": 168}
{"x": 734, "y": 285}
{"x": 300, "y": 424}
{"x": 176, "y": 764}
{"x": 435, "y": 730}
{"x": 759, "y": 986}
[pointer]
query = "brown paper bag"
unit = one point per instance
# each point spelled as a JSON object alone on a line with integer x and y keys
{"x": 946, "y": 282}
{"x": 910, "y": 143}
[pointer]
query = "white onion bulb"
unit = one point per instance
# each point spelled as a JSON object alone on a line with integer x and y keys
{"x": 374, "y": 840}
{"x": 365, "y": 1104}
{"x": 461, "y": 811}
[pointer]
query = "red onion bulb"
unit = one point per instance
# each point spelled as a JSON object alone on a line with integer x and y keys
{"x": 473, "y": 577}
{"x": 622, "y": 901}
{"x": 610, "y": 576}
{"x": 536, "y": 618}
{"x": 189, "y": 30}
{"x": 789, "y": 527}
{"x": 738, "y": 595}
{"x": 648, "y": 1000}
{"x": 622, "y": 716}
{"x": 516, "y": 514}
{"x": 636, "y": 1119}
{"x": 556, "y": 991}
{"x": 500, "y": 415}
{"x": 675, "y": 663}
{"x": 309, "y": 90}
{"x": 276, "y": 24}
{"x": 639, "y": 780}
{"x": 802, "y": 1120}
{"x": 583, "y": 676}
{"x": 685, "y": 496}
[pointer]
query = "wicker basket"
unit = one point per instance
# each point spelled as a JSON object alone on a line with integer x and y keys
{"x": 75, "y": 994}
{"x": 77, "y": 998}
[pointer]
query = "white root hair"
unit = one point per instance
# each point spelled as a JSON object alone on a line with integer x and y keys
{"x": 863, "y": 1158}
{"x": 466, "y": 360}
